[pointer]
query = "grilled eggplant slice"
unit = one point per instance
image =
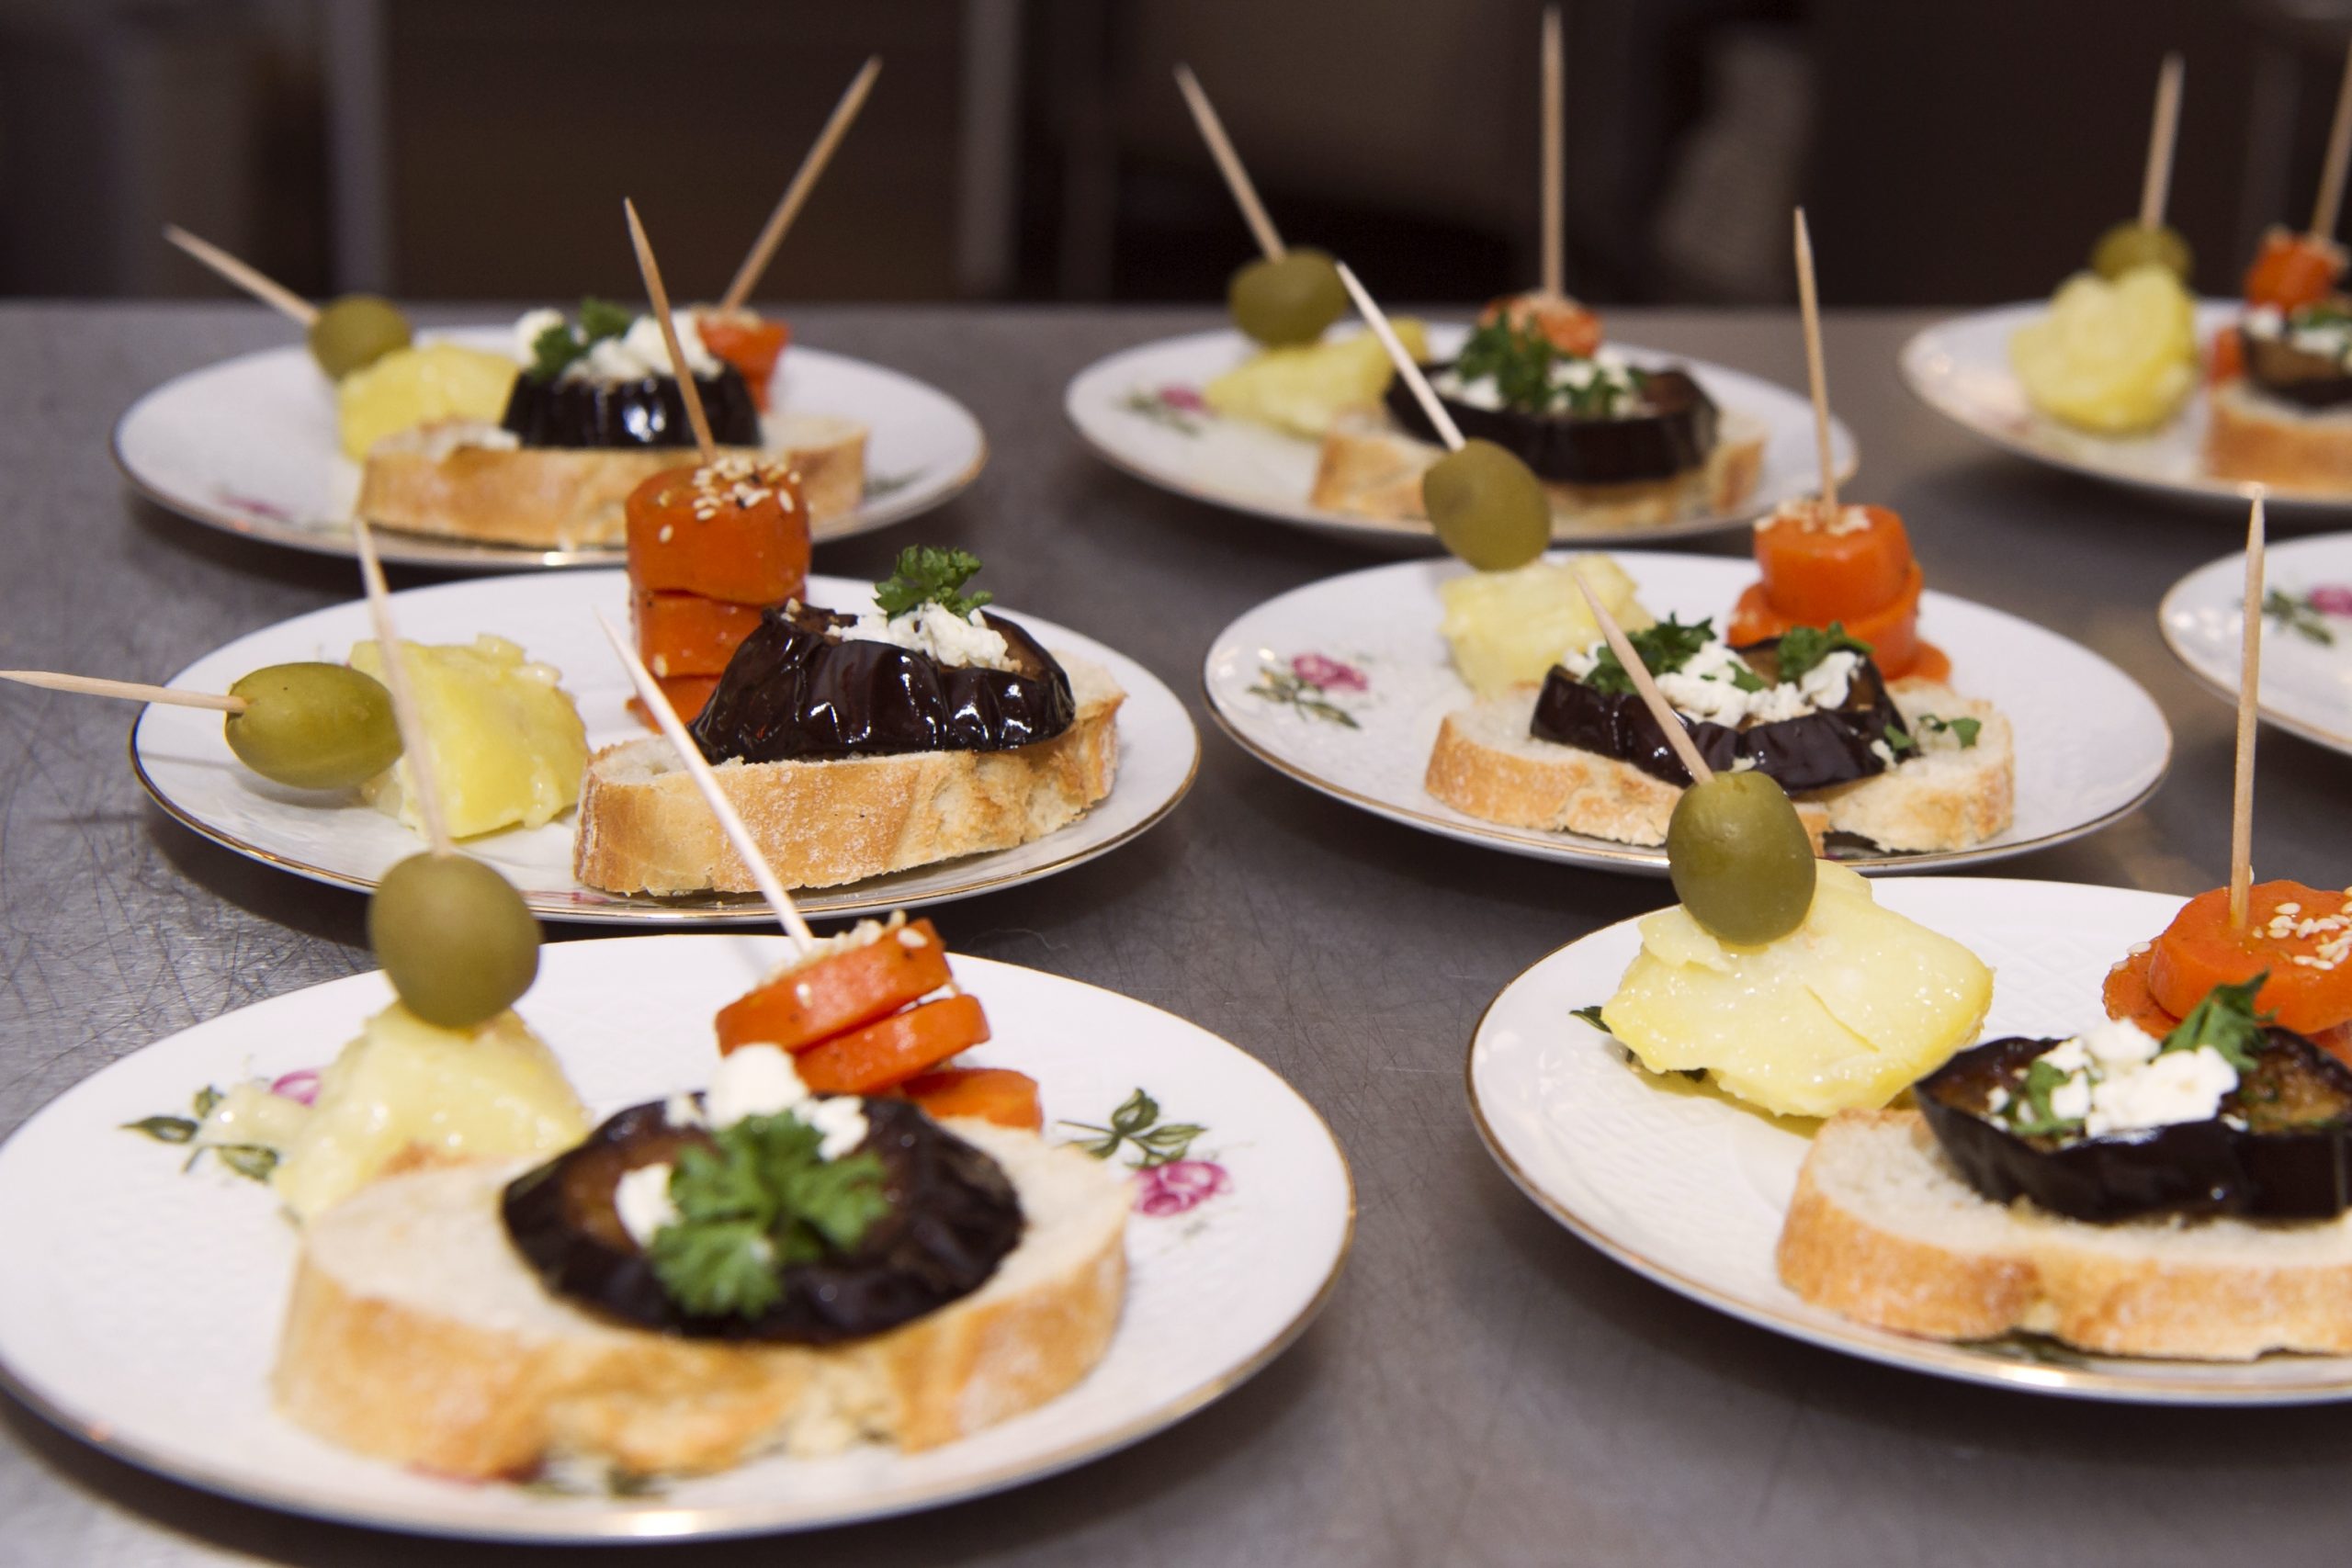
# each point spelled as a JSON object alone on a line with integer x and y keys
{"x": 586, "y": 411}
{"x": 1672, "y": 436}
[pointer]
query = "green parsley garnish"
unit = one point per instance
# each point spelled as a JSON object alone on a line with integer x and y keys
{"x": 1802, "y": 648}
{"x": 1663, "y": 649}
{"x": 927, "y": 574}
{"x": 2042, "y": 1081}
{"x": 554, "y": 350}
{"x": 1963, "y": 730}
{"x": 754, "y": 1201}
{"x": 2226, "y": 1020}
{"x": 1520, "y": 361}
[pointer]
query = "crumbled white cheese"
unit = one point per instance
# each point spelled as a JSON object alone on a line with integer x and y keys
{"x": 752, "y": 1080}
{"x": 1827, "y": 684}
{"x": 682, "y": 1110}
{"x": 642, "y": 1199}
{"x": 639, "y": 352}
{"x": 531, "y": 326}
{"x": 2071, "y": 1100}
{"x": 2178, "y": 1086}
{"x": 935, "y": 631}
{"x": 1706, "y": 687}
{"x": 841, "y": 1118}
{"x": 2118, "y": 1044}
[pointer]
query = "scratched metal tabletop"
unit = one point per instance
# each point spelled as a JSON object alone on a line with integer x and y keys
{"x": 1483, "y": 1387}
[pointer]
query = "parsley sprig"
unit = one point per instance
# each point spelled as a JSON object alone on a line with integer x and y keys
{"x": 1963, "y": 730}
{"x": 927, "y": 574}
{"x": 1521, "y": 359}
{"x": 1802, "y": 648}
{"x": 1664, "y": 649}
{"x": 554, "y": 350}
{"x": 2226, "y": 1020}
{"x": 754, "y": 1201}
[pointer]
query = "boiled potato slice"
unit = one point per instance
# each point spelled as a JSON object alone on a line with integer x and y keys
{"x": 1508, "y": 627}
{"x": 1845, "y": 1012}
{"x": 2117, "y": 357}
{"x": 410, "y": 386}
{"x": 507, "y": 743}
{"x": 1303, "y": 390}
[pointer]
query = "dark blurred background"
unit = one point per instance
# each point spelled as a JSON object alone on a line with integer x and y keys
{"x": 1949, "y": 152}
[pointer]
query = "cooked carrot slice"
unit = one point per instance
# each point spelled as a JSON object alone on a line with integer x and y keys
{"x": 2303, "y": 936}
{"x": 885, "y": 1054}
{"x": 2225, "y": 361}
{"x": 691, "y": 531}
{"x": 1891, "y": 632}
{"x": 2125, "y": 993}
{"x": 687, "y": 694}
{"x": 685, "y": 634}
{"x": 988, "y": 1094}
{"x": 2293, "y": 269}
{"x": 748, "y": 341}
{"x": 1817, "y": 572}
{"x": 837, "y": 992}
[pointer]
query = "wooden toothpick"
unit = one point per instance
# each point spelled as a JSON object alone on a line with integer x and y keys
{"x": 1685, "y": 748}
{"x": 1809, "y": 301}
{"x": 415, "y": 744}
{"x": 1423, "y": 393}
{"x": 267, "y": 289}
{"x": 2155, "y": 180}
{"x": 731, "y": 821}
{"x": 2249, "y": 705}
{"x": 1555, "y": 237}
{"x": 2330, "y": 202}
{"x": 788, "y": 208}
{"x": 651, "y": 273}
{"x": 130, "y": 690}
{"x": 1228, "y": 163}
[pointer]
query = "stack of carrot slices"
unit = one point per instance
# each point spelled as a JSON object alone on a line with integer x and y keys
{"x": 855, "y": 1022}
{"x": 709, "y": 547}
{"x": 2299, "y": 937}
{"x": 1856, "y": 572}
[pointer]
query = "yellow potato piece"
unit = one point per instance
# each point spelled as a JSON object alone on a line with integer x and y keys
{"x": 415, "y": 386}
{"x": 1844, "y": 1013}
{"x": 508, "y": 747}
{"x": 2117, "y": 358}
{"x": 1508, "y": 627}
{"x": 448, "y": 1094}
{"x": 1303, "y": 390}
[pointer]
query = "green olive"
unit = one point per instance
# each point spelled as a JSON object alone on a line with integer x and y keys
{"x": 313, "y": 725}
{"x": 1740, "y": 859}
{"x": 1487, "y": 506}
{"x": 1288, "y": 299}
{"x": 2127, "y": 245}
{"x": 454, "y": 938}
{"x": 355, "y": 331}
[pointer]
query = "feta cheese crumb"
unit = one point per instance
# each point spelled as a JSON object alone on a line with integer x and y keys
{"x": 937, "y": 632}
{"x": 752, "y": 1080}
{"x": 840, "y": 1119}
{"x": 642, "y": 1199}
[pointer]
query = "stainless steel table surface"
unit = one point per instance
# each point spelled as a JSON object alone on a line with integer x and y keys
{"x": 1484, "y": 1388}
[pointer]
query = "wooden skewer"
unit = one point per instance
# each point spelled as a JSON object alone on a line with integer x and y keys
{"x": 2330, "y": 202}
{"x": 2155, "y": 181}
{"x": 731, "y": 821}
{"x": 660, "y": 296}
{"x": 1228, "y": 163}
{"x": 131, "y": 691}
{"x": 415, "y": 744}
{"x": 267, "y": 289}
{"x": 1553, "y": 159}
{"x": 1422, "y": 393}
{"x": 1685, "y": 748}
{"x": 1809, "y": 300}
{"x": 788, "y": 208}
{"x": 2249, "y": 703}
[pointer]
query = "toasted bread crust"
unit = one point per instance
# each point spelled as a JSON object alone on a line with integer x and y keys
{"x": 822, "y": 824}
{"x": 563, "y": 497}
{"x": 1369, "y": 467}
{"x": 2253, "y": 437}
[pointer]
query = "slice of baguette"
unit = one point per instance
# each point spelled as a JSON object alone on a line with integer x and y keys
{"x": 1883, "y": 1230}
{"x": 416, "y": 1334}
{"x": 1486, "y": 763}
{"x": 1371, "y": 468}
{"x": 2251, "y": 436}
{"x": 563, "y": 497}
{"x": 644, "y": 828}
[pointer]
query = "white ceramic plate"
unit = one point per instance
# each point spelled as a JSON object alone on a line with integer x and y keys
{"x": 187, "y": 767}
{"x": 249, "y": 446}
{"x": 1140, "y": 408}
{"x": 142, "y": 1313}
{"x": 2306, "y": 655}
{"x": 1960, "y": 369}
{"x": 1688, "y": 1188}
{"x": 2090, "y": 744}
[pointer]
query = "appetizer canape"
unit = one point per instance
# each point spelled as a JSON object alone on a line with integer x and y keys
{"x": 860, "y": 744}
{"x": 2282, "y": 376}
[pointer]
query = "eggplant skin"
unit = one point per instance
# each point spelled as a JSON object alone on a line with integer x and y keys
{"x": 1673, "y": 438}
{"x": 2291, "y": 375}
{"x": 954, "y": 1216}
{"x": 586, "y": 411}
{"x": 1832, "y": 746}
{"x": 2189, "y": 1167}
{"x": 793, "y": 692}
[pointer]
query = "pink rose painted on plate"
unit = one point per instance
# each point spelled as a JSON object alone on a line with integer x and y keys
{"x": 300, "y": 1087}
{"x": 1179, "y": 1187}
{"x": 1168, "y": 1180}
{"x": 1330, "y": 674}
{"x": 2334, "y": 600}
{"x": 1307, "y": 680}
